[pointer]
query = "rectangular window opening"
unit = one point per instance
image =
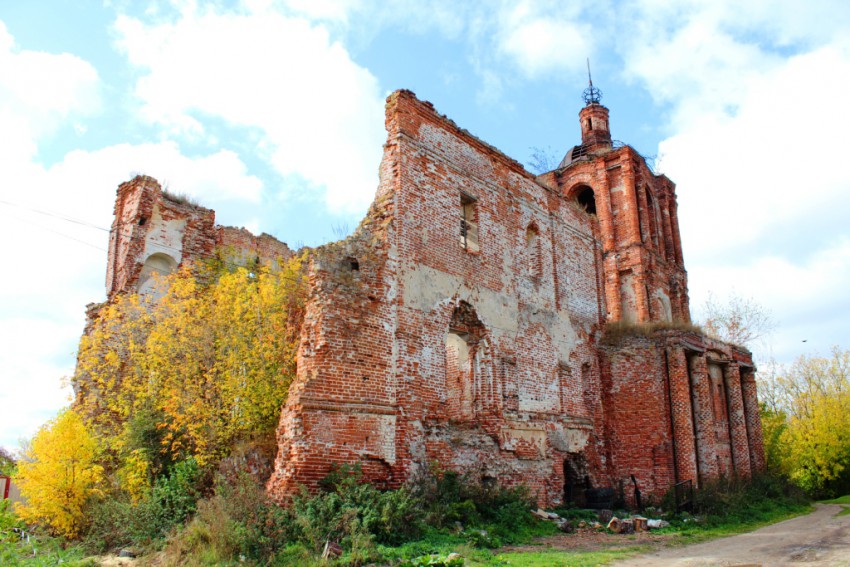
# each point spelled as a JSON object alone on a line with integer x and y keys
{"x": 469, "y": 223}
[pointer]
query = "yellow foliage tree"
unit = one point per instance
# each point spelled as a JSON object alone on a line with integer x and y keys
{"x": 814, "y": 395}
{"x": 208, "y": 363}
{"x": 58, "y": 473}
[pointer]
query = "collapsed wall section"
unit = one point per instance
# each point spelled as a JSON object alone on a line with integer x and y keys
{"x": 154, "y": 232}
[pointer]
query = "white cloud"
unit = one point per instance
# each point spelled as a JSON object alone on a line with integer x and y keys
{"x": 542, "y": 38}
{"x": 38, "y": 93}
{"x": 772, "y": 163}
{"x": 757, "y": 127}
{"x": 807, "y": 297}
{"x": 59, "y": 266}
{"x": 320, "y": 113}
{"x": 32, "y": 389}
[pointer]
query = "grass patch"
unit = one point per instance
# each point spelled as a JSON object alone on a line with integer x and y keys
{"x": 840, "y": 500}
{"x": 423, "y": 524}
{"x": 729, "y": 508}
{"x": 564, "y": 558}
{"x": 845, "y": 510}
{"x": 618, "y": 331}
{"x": 43, "y": 550}
{"x": 180, "y": 198}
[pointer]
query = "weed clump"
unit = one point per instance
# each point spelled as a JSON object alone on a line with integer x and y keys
{"x": 730, "y": 504}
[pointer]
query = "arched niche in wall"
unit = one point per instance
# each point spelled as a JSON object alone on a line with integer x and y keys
{"x": 654, "y": 219}
{"x": 586, "y": 198}
{"x": 628, "y": 298}
{"x": 663, "y": 306}
{"x": 467, "y": 362}
{"x": 156, "y": 266}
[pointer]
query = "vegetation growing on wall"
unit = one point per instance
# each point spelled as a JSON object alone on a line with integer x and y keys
{"x": 190, "y": 374}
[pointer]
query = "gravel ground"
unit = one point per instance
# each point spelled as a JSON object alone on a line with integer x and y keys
{"x": 820, "y": 538}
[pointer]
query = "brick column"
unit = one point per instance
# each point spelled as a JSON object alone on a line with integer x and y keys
{"x": 753, "y": 420}
{"x": 610, "y": 269}
{"x": 602, "y": 196}
{"x": 642, "y": 296}
{"x": 737, "y": 422}
{"x": 643, "y": 214}
{"x": 667, "y": 231}
{"x": 703, "y": 418}
{"x": 674, "y": 227}
{"x": 683, "y": 430}
{"x": 633, "y": 218}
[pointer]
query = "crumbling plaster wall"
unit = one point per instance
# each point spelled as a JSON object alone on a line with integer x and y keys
{"x": 532, "y": 403}
{"x": 422, "y": 347}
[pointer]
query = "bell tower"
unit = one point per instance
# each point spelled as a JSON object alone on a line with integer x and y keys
{"x": 633, "y": 214}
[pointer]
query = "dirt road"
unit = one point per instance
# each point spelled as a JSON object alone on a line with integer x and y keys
{"x": 820, "y": 538}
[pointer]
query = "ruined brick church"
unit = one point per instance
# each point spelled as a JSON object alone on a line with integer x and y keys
{"x": 526, "y": 329}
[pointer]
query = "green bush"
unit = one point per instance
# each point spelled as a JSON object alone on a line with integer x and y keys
{"x": 8, "y": 522}
{"x": 449, "y": 498}
{"x": 112, "y": 523}
{"x": 171, "y": 501}
{"x": 238, "y": 521}
{"x": 349, "y": 506}
{"x": 434, "y": 560}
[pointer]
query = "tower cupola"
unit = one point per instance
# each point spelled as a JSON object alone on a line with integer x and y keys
{"x": 594, "y": 117}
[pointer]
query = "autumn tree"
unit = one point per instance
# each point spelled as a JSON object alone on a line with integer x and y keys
{"x": 739, "y": 320}
{"x": 807, "y": 427}
{"x": 188, "y": 374}
{"x": 58, "y": 473}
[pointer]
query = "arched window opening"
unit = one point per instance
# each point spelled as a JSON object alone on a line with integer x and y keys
{"x": 156, "y": 266}
{"x": 654, "y": 221}
{"x": 533, "y": 256}
{"x": 586, "y": 199}
{"x": 467, "y": 363}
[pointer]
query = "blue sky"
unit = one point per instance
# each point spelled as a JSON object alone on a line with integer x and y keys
{"x": 271, "y": 113}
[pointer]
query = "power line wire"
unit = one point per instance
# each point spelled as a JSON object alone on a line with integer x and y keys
{"x": 54, "y": 215}
{"x": 54, "y": 232}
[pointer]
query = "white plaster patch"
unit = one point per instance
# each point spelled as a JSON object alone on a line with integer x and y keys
{"x": 425, "y": 288}
{"x": 568, "y": 439}
{"x": 510, "y": 437}
{"x": 165, "y": 237}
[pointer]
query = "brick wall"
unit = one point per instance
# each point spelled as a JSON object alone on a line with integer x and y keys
{"x": 150, "y": 222}
{"x": 465, "y": 322}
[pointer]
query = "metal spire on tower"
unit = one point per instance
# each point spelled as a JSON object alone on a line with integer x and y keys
{"x": 591, "y": 94}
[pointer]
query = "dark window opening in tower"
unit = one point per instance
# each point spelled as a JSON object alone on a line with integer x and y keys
{"x": 589, "y": 124}
{"x": 586, "y": 198}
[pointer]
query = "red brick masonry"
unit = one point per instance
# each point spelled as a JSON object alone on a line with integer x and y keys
{"x": 464, "y": 322}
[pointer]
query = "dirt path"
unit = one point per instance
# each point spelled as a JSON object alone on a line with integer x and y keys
{"x": 820, "y": 538}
